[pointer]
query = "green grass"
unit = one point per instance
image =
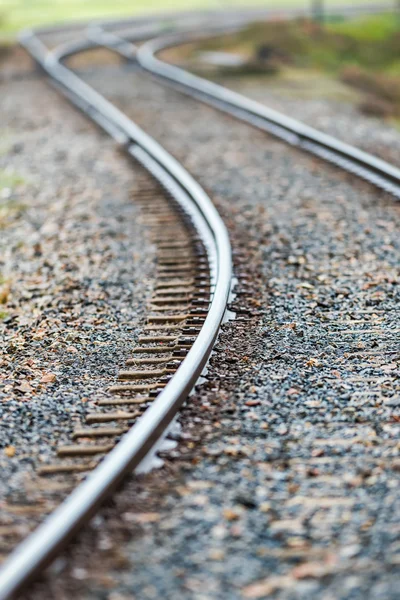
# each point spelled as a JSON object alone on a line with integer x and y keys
{"x": 369, "y": 42}
{"x": 17, "y": 14}
{"x": 364, "y": 52}
{"x": 376, "y": 28}
{"x": 10, "y": 179}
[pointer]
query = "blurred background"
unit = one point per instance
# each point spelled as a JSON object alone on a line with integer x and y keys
{"x": 346, "y": 51}
{"x": 16, "y": 14}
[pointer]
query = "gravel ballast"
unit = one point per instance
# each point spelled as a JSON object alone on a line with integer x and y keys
{"x": 76, "y": 272}
{"x": 284, "y": 482}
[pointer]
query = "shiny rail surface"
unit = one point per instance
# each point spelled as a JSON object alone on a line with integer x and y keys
{"x": 345, "y": 156}
{"x": 36, "y": 551}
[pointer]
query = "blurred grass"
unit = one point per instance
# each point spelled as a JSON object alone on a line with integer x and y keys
{"x": 369, "y": 29}
{"x": 9, "y": 179}
{"x": 17, "y": 14}
{"x": 364, "y": 52}
{"x": 372, "y": 42}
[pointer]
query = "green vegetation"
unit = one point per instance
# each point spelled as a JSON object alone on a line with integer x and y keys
{"x": 370, "y": 42}
{"x": 363, "y": 52}
{"x": 17, "y": 14}
{"x": 368, "y": 29}
{"x": 10, "y": 179}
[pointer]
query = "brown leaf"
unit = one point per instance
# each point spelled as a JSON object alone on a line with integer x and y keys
{"x": 48, "y": 378}
{"x": 9, "y": 451}
{"x": 230, "y": 515}
{"x": 4, "y": 293}
{"x": 313, "y": 362}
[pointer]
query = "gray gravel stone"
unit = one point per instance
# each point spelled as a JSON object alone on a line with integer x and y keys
{"x": 74, "y": 279}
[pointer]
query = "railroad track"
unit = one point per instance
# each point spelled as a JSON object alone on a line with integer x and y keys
{"x": 187, "y": 308}
{"x": 189, "y": 302}
{"x": 347, "y": 157}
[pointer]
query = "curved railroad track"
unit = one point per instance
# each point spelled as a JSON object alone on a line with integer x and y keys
{"x": 345, "y": 156}
{"x": 192, "y": 292}
{"x": 188, "y": 306}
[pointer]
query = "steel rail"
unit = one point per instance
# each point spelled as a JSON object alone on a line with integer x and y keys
{"x": 365, "y": 165}
{"x": 37, "y": 550}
